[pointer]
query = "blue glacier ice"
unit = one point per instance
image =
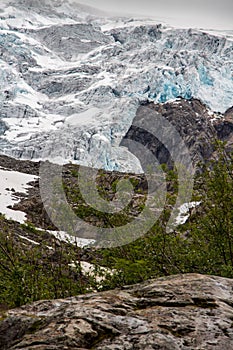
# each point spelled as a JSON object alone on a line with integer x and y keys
{"x": 71, "y": 82}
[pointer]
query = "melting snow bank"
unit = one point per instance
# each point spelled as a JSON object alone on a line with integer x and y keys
{"x": 184, "y": 212}
{"x": 11, "y": 183}
{"x": 65, "y": 237}
{"x": 96, "y": 271}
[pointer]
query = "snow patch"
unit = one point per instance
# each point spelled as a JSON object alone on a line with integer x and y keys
{"x": 184, "y": 212}
{"x": 65, "y": 237}
{"x": 11, "y": 182}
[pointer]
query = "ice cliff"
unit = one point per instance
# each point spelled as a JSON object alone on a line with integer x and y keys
{"x": 73, "y": 78}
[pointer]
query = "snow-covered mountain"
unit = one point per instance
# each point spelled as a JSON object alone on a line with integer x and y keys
{"x": 72, "y": 78}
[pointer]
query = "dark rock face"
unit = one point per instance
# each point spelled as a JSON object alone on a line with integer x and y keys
{"x": 3, "y": 127}
{"x": 180, "y": 312}
{"x": 23, "y": 166}
{"x": 224, "y": 128}
{"x": 193, "y": 122}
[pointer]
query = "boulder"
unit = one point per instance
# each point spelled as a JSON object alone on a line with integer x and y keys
{"x": 184, "y": 312}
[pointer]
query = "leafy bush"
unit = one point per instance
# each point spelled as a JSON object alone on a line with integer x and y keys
{"x": 203, "y": 245}
{"x": 29, "y": 274}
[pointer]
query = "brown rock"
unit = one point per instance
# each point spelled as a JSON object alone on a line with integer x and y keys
{"x": 192, "y": 120}
{"x": 183, "y": 312}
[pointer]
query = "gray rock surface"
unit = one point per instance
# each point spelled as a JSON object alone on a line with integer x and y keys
{"x": 185, "y": 312}
{"x": 198, "y": 128}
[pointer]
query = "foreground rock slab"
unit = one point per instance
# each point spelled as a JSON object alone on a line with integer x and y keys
{"x": 179, "y": 312}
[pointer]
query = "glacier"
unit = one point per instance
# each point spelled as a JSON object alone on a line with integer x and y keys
{"x": 72, "y": 79}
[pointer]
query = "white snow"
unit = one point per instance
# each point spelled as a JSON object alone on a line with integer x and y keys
{"x": 116, "y": 23}
{"x": 29, "y": 19}
{"x": 103, "y": 79}
{"x": 19, "y": 183}
{"x": 29, "y": 240}
{"x": 84, "y": 118}
{"x": 90, "y": 269}
{"x": 20, "y": 129}
{"x": 49, "y": 62}
{"x": 12, "y": 182}
{"x": 65, "y": 237}
{"x": 184, "y": 212}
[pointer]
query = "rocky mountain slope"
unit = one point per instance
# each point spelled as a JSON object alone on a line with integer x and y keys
{"x": 74, "y": 83}
{"x": 199, "y": 129}
{"x": 186, "y": 312}
{"x": 73, "y": 78}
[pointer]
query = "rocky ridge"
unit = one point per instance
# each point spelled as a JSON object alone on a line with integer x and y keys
{"x": 199, "y": 129}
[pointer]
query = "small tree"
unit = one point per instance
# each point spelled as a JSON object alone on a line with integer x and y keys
{"x": 212, "y": 231}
